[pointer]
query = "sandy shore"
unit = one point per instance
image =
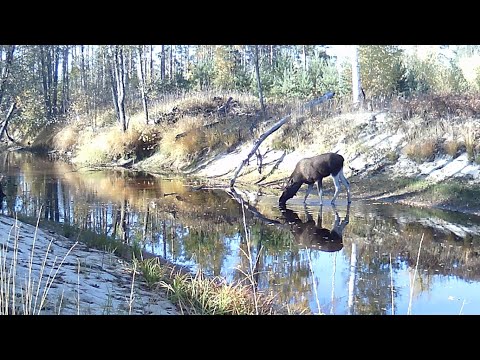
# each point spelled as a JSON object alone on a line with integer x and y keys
{"x": 56, "y": 275}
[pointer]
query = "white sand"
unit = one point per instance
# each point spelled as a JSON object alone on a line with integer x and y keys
{"x": 77, "y": 280}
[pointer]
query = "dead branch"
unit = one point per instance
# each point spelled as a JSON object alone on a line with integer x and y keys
{"x": 225, "y": 107}
{"x": 9, "y": 115}
{"x": 273, "y": 168}
{"x": 251, "y": 208}
{"x": 274, "y": 128}
{"x": 257, "y": 143}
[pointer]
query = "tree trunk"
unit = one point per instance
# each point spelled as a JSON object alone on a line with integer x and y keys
{"x": 259, "y": 83}
{"x": 49, "y": 63}
{"x": 45, "y": 84}
{"x": 9, "y": 115}
{"x": 171, "y": 62}
{"x": 6, "y": 70}
{"x": 83, "y": 77}
{"x": 150, "y": 74}
{"x": 304, "y": 53}
{"x": 141, "y": 75}
{"x": 356, "y": 81}
{"x": 56, "y": 54}
{"x": 162, "y": 64}
{"x": 119, "y": 75}
{"x": 113, "y": 86}
{"x": 65, "y": 78}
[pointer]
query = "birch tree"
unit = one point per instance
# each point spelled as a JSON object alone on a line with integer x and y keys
{"x": 6, "y": 70}
{"x": 356, "y": 81}
{"x": 259, "y": 83}
{"x": 142, "y": 62}
{"x": 117, "y": 76}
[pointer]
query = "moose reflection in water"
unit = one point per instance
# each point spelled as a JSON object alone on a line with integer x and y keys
{"x": 312, "y": 234}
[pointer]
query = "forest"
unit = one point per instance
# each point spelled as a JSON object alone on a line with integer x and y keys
{"x": 45, "y": 84}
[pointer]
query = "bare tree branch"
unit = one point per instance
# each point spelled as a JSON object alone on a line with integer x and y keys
{"x": 274, "y": 128}
{"x": 9, "y": 115}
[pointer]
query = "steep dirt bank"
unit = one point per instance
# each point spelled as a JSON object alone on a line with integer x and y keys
{"x": 375, "y": 163}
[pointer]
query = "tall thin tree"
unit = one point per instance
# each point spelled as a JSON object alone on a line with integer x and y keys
{"x": 118, "y": 84}
{"x": 6, "y": 70}
{"x": 141, "y": 76}
{"x": 356, "y": 81}
{"x": 162, "y": 64}
{"x": 259, "y": 82}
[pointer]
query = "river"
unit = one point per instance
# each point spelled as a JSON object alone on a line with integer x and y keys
{"x": 366, "y": 258}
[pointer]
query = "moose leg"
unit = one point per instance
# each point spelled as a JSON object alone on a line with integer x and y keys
{"x": 320, "y": 190}
{"x": 345, "y": 182}
{"x": 309, "y": 190}
{"x": 338, "y": 185}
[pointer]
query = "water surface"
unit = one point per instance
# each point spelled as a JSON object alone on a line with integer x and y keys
{"x": 368, "y": 258}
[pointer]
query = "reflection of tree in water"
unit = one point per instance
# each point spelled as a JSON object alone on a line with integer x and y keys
{"x": 208, "y": 248}
{"x": 442, "y": 253}
{"x": 372, "y": 287}
{"x": 289, "y": 266}
{"x": 277, "y": 266}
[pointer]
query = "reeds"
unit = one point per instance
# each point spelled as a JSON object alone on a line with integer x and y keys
{"x": 31, "y": 288}
{"x": 199, "y": 294}
{"x": 412, "y": 283}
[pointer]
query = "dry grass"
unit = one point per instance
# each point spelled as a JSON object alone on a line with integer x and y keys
{"x": 451, "y": 147}
{"x": 186, "y": 146}
{"x": 31, "y": 287}
{"x": 197, "y": 294}
{"x": 469, "y": 133}
{"x": 111, "y": 144}
{"x": 66, "y": 139}
{"x": 420, "y": 151}
{"x": 98, "y": 140}
{"x": 308, "y": 131}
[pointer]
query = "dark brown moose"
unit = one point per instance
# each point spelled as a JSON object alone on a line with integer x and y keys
{"x": 314, "y": 169}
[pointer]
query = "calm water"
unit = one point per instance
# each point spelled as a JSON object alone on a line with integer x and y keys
{"x": 364, "y": 259}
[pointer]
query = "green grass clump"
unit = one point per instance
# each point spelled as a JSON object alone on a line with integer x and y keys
{"x": 214, "y": 296}
{"x": 152, "y": 271}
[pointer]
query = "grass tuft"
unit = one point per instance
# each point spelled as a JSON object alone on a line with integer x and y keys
{"x": 420, "y": 151}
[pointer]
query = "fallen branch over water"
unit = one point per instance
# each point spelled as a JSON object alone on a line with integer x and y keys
{"x": 274, "y": 128}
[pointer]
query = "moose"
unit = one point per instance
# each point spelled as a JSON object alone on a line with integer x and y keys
{"x": 314, "y": 235}
{"x": 314, "y": 169}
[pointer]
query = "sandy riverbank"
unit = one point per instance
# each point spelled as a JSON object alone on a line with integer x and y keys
{"x": 73, "y": 278}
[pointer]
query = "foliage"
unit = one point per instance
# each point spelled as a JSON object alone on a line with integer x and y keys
{"x": 226, "y": 65}
{"x": 381, "y": 70}
{"x": 151, "y": 269}
{"x": 58, "y": 84}
{"x": 427, "y": 72}
{"x": 202, "y": 75}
